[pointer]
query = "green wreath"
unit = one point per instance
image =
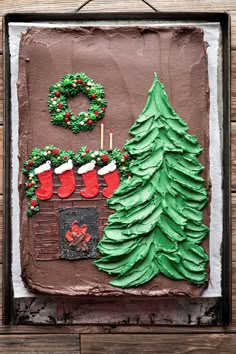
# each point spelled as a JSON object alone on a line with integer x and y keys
{"x": 71, "y": 85}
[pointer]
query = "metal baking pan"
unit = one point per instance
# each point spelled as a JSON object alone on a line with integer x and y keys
{"x": 200, "y": 311}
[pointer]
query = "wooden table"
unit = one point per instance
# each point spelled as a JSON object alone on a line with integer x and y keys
{"x": 123, "y": 339}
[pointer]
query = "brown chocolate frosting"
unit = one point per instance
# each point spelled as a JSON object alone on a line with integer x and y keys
{"x": 123, "y": 60}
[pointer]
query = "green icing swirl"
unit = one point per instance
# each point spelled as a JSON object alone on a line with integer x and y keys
{"x": 157, "y": 227}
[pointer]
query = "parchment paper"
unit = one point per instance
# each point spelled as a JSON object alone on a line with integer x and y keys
{"x": 212, "y": 37}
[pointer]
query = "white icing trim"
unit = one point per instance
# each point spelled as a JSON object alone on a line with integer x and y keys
{"x": 64, "y": 167}
{"x": 43, "y": 168}
{"x": 108, "y": 168}
{"x": 86, "y": 168}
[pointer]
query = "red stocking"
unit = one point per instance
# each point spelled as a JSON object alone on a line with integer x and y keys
{"x": 111, "y": 178}
{"x": 67, "y": 178}
{"x": 90, "y": 179}
{"x": 44, "y": 172}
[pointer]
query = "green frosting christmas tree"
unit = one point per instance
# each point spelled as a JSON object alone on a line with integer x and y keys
{"x": 157, "y": 227}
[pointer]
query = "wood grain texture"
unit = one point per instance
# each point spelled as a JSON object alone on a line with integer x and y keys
{"x": 233, "y": 156}
{"x": 8, "y": 6}
{"x": 153, "y": 344}
{"x": 1, "y": 88}
{"x": 54, "y": 330}
{"x": 1, "y": 159}
{"x": 234, "y": 233}
{"x": 1, "y": 233}
{"x": 193, "y": 5}
{"x": 41, "y": 343}
{"x": 115, "y": 6}
{"x": 0, "y": 295}
{"x": 233, "y": 30}
{"x": 233, "y": 85}
{"x": 234, "y": 290}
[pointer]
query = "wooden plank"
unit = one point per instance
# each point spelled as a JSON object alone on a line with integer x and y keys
{"x": 233, "y": 30}
{"x": 1, "y": 224}
{"x": 1, "y": 160}
{"x": 117, "y": 6}
{"x": 233, "y": 83}
{"x": 1, "y": 36}
{"x": 159, "y": 5}
{"x": 234, "y": 293}
{"x": 9, "y": 6}
{"x": 41, "y": 343}
{"x": 162, "y": 343}
{"x": 55, "y": 330}
{"x": 0, "y": 295}
{"x": 1, "y": 87}
{"x": 234, "y": 231}
{"x": 233, "y": 156}
{"x": 170, "y": 330}
{"x": 191, "y": 5}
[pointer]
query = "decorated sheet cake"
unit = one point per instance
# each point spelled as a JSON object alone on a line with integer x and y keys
{"x": 114, "y": 160}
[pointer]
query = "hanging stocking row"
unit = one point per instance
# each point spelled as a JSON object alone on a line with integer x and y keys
{"x": 42, "y": 163}
{"x": 66, "y": 174}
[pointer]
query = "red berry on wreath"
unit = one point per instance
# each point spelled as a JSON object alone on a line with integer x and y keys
{"x": 87, "y": 150}
{"x": 79, "y": 81}
{"x": 66, "y": 119}
{"x": 96, "y": 113}
{"x": 84, "y": 83}
{"x": 67, "y": 114}
{"x": 57, "y": 94}
{"x": 27, "y": 167}
{"x": 126, "y": 156}
{"x": 103, "y": 109}
{"x": 33, "y": 202}
{"x": 30, "y": 185}
{"x": 55, "y": 151}
{"x": 93, "y": 95}
{"x": 105, "y": 158}
{"x": 65, "y": 157}
{"x": 90, "y": 122}
{"x": 60, "y": 105}
{"x": 30, "y": 162}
